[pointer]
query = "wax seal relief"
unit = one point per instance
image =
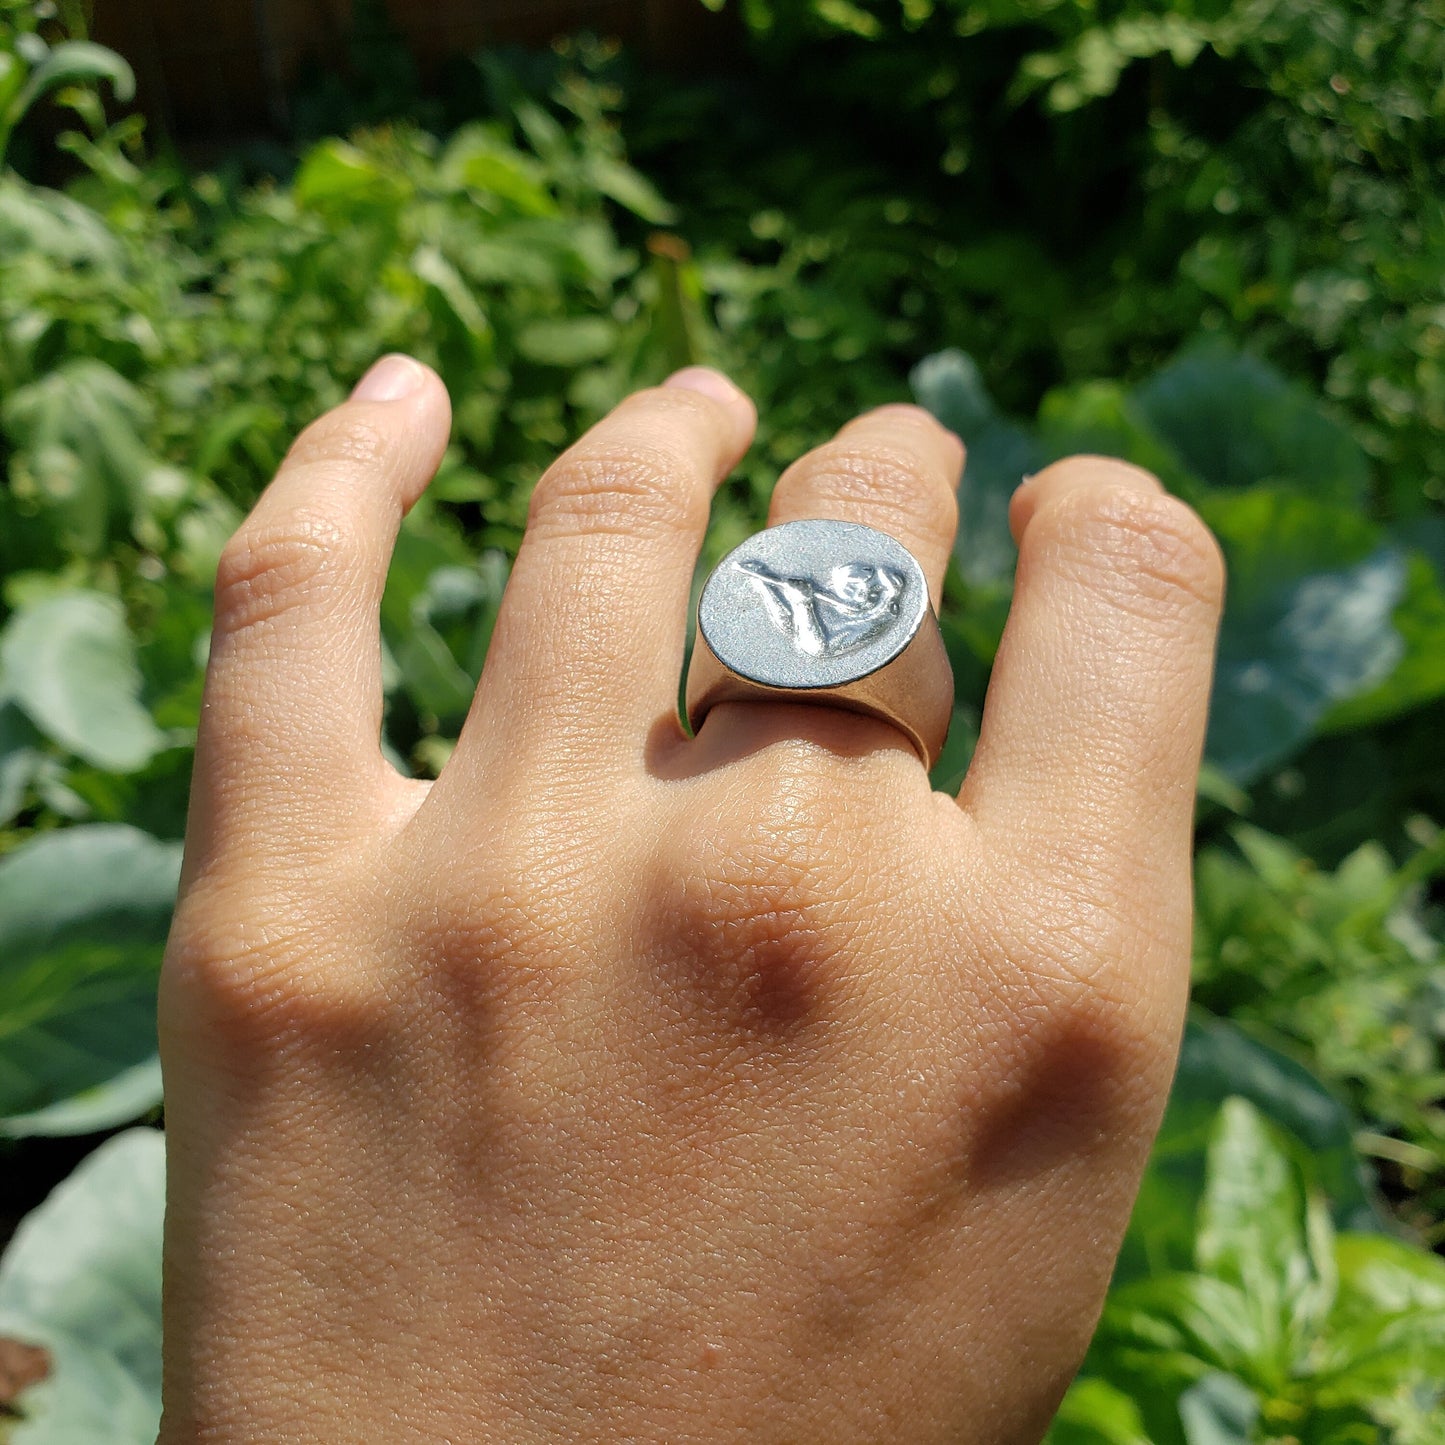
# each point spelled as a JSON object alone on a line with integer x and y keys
{"x": 852, "y": 605}
{"x": 824, "y": 612}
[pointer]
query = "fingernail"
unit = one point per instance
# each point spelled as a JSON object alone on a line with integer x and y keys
{"x": 709, "y": 383}
{"x": 390, "y": 379}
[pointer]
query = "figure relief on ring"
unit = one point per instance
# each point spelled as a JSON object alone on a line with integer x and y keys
{"x": 858, "y": 602}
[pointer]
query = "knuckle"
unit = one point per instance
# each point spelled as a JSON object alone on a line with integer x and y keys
{"x": 491, "y": 934}
{"x": 338, "y": 439}
{"x": 266, "y": 565}
{"x": 886, "y": 481}
{"x": 1150, "y": 542}
{"x": 253, "y": 975}
{"x": 644, "y": 489}
{"x": 754, "y": 918}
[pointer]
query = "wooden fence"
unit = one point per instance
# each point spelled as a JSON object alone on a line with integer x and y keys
{"x": 223, "y": 68}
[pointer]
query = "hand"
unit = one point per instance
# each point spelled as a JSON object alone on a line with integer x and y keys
{"x": 625, "y": 1086}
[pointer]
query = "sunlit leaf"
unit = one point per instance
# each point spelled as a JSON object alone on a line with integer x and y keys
{"x": 69, "y": 663}
{"x": 82, "y": 1280}
{"x": 73, "y": 62}
{"x": 1237, "y": 422}
{"x": 84, "y": 913}
{"x": 130, "y": 1095}
{"x": 336, "y": 173}
{"x": 1218, "y": 1410}
{"x": 1309, "y": 622}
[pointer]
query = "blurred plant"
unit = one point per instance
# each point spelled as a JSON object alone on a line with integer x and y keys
{"x": 162, "y": 337}
{"x": 31, "y": 68}
{"x": 1343, "y": 965}
{"x": 1281, "y": 1329}
{"x": 1101, "y": 182}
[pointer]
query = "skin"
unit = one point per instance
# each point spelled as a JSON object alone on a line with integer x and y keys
{"x": 625, "y": 1086}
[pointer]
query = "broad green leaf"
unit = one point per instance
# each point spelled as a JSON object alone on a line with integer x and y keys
{"x": 78, "y": 433}
{"x": 1217, "y": 1061}
{"x": 481, "y": 160}
{"x": 1102, "y": 418}
{"x": 457, "y": 307}
{"x": 1251, "y": 1219}
{"x": 41, "y": 222}
{"x": 82, "y": 1280}
{"x": 1386, "y": 1335}
{"x": 1252, "y": 1234}
{"x": 1419, "y": 677}
{"x": 68, "y": 662}
{"x": 1236, "y": 422}
{"x": 128, "y": 1096}
{"x": 83, "y": 918}
{"x": 1176, "y": 1329}
{"x": 1308, "y": 623}
{"x": 1000, "y": 455}
{"x": 630, "y": 189}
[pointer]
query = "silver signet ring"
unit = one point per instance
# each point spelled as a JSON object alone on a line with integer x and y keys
{"x": 830, "y": 613}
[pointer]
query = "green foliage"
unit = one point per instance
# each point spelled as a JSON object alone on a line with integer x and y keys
{"x": 83, "y": 918}
{"x": 1254, "y": 169}
{"x": 1106, "y": 179}
{"x": 1344, "y": 967}
{"x": 81, "y": 1281}
{"x": 1278, "y": 1328}
{"x": 31, "y": 68}
{"x": 1322, "y": 613}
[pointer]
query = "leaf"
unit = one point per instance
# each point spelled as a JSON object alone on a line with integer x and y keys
{"x": 1102, "y": 418}
{"x": 951, "y": 386}
{"x": 82, "y": 1280}
{"x": 1419, "y": 677}
{"x": 74, "y": 62}
{"x": 1308, "y": 622}
{"x": 1175, "y": 1330}
{"x": 130, "y": 1095}
{"x": 1252, "y": 1234}
{"x": 1386, "y": 1337}
{"x": 567, "y": 341}
{"x": 337, "y": 174}
{"x": 1236, "y": 422}
{"x": 20, "y": 758}
{"x": 480, "y": 160}
{"x": 1000, "y": 455}
{"x": 1250, "y": 1219}
{"x": 630, "y": 189}
{"x": 68, "y": 661}
{"x": 1095, "y": 1412}
{"x": 454, "y": 304}
{"x": 1217, "y": 1061}
{"x": 78, "y": 435}
{"x": 83, "y": 918}
{"x": 1218, "y": 1410}
{"x": 40, "y": 222}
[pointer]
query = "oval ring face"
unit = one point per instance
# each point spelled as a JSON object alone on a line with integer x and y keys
{"x": 813, "y": 604}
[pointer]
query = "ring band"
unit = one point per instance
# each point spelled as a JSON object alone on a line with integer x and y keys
{"x": 829, "y": 613}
